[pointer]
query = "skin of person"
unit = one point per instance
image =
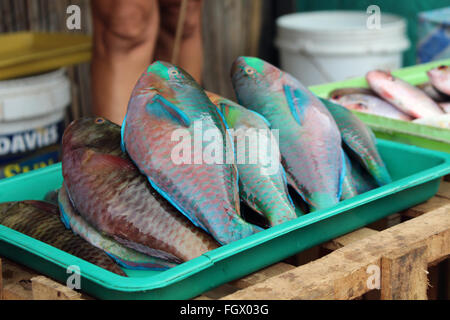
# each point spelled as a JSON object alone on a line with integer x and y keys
{"x": 128, "y": 36}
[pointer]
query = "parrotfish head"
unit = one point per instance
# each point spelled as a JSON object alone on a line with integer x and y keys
{"x": 162, "y": 78}
{"x": 251, "y": 77}
{"x": 252, "y": 71}
{"x": 95, "y": 133}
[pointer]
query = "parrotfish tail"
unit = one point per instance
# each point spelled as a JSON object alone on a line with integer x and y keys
{"x": 343, "y": 173}
{"x": 155, "y": 266}
{"x": 122, "y": 134}
{"x": 382, "y": 176}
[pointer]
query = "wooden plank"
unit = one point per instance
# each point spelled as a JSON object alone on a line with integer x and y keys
{"x": 444, "y": 190}
{"x": 427, "y": 206}
{"x": 349, "y": 238}
{"x": 262, "y": 275}
{"x": 246, "y": 282}
{"x": 404, "y": 274}
{"x": 16, "y": 281}
{"x": 343, "y": 274}
{"x": 47, "y": 289}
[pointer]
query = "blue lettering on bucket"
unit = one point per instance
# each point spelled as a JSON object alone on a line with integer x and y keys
{"x": 30, "y": 150}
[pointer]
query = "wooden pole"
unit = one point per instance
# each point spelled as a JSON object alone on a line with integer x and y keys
{"x": 179, "y": 32}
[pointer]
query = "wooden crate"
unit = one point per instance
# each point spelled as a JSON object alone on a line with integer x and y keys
{"x": 404, "y": 256}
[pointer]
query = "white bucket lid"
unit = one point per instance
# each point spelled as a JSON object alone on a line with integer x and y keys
{"x": 36, "y": 96}
{"x": 340, "y": 32}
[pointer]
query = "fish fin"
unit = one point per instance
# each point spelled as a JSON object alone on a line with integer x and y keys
{"x": 343, "y": 173}
{"x": 155, "y": 253}
{"x": 296, "y": 100}
{"x": 122, "y": 134}
{"x": 63, "y": 216}
{"x": 261, "y": 117}
{"x": 155, "y": 266}
{"x": 160, "y": 107}
{"x": 386, "y": 94}
{"x": 229, "y": 113}
{"x": 230, "y": 144}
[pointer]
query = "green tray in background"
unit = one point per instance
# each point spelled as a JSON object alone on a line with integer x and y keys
{"x": 397, "y": 130}
{"x": 412, "y": 184}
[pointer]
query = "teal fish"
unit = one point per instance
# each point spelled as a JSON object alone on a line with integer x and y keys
{"x": 357, "y": 180}
{"x": 262, "y": 182}
{"x": 179, "y": 141}
{"x": 361, "y": 141}
{"x": 124, "y": 256}
{"x": 310, "y": 142}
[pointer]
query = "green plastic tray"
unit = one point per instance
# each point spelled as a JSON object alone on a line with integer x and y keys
{"x": 413, "y": 184}
{"x": 397, "y": 130}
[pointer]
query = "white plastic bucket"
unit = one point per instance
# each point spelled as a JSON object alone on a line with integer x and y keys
{"x": 32, "y": 115}
{"x": 326, "y": 46}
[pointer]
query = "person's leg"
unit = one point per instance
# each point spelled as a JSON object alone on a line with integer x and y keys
{"x": 190, "y": 57}
{"x": 125, "y": 34}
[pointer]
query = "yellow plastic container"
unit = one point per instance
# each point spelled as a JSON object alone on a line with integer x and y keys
{"x": 27, "y": 53}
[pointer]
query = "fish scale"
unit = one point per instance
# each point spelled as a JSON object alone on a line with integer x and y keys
{"x": 266, "y": 194}
{"x": 361, "y": 141}
{"x": 161, "y": 104}
{"x": 123, "y": 255}
{"x": 309, "y": 139}
{"x": 32, "y": 219}
{"x": 110, "y": 194}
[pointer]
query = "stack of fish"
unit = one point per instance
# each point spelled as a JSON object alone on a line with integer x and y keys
{"x": 393, "y": 97}
{"x": 171, "y": 183}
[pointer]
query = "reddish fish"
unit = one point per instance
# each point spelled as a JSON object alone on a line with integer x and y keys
{"x": 370, "y": 104}
{"x": 440, "y": 78}
{"x": 403, "y": 95}
{"x": 110, "y": 193}
{"x": 40, "y": 220}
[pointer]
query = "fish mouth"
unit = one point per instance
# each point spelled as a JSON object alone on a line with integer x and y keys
{"x": 237, "y": 66}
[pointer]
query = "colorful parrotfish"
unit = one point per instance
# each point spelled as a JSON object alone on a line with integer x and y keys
{"x": 310, "y": 142}
{"x": 262, "y": 180}
{"x": 180, "y": 142}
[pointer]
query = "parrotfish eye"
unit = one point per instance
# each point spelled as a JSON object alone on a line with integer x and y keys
{"x": 249, "y": 70}
{"x": 99, "y": 120}
{"x": 173, "y": 72}
{"x": 335, "y": 97}
{"x": 442, "y": 67}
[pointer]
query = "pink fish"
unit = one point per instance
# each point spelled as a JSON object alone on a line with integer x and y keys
{"x": 404, "y": 96}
